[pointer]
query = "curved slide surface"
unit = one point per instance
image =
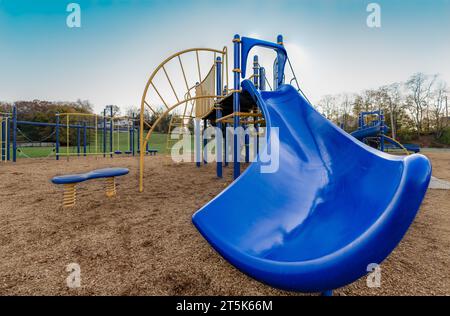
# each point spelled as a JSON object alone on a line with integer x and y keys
{"x": 333, "y": 207}
{"x": 367, "y": 132}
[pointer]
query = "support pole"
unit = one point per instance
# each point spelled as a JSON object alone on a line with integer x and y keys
{"x": 257, "y": 138}
{"x": 262, "y": 78}
{"x": 2, "y": 139}
{"x": 382, "y": 130}
{"x": 111, "y": 131}
{"x": 205, "y": 141}
{"x": 277, "y": 75}
{"x": 84, "y": 138}
{"x": 197, "y": 142}
{"x": 104, "y": 133}
{"x": 57, "y": 136}
{"x": 256, "y": 71}
{"x": 236, "y": 106}
{"x": 14, "y": 133}
{"x": 247, "y": 144}
{"x": 259, "y": 74}
{"x": 138, "y": 137}
{"x": 219, "y": 136}
{"x": 78, "y": 141}
{"x": 8, "y": 137}
{"x": 132, "y": 136}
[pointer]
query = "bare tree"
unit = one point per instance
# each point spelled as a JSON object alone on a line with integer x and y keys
{"x": 439, "y": 108}
{"x": 420, "y": 90}
{"x": 392, "y": 100}
{"x": 115, "y": 110}
{"x": 85, "y": 105}
{"x": 132, "y": 111}
{"x": 328, "y": 106}
{"x": 346, "y": 104}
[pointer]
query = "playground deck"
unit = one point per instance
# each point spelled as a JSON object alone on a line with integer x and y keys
{"x": 145, "y": 244}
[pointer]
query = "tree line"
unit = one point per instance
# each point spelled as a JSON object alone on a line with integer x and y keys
{"x": 45, "y": 111}
{"x": 415, "y": 107}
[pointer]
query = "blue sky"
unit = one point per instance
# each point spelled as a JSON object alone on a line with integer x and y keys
{"x": 109, "y": 58}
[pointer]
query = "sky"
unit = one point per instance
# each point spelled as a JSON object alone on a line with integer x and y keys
{"x": 110, "y": 57}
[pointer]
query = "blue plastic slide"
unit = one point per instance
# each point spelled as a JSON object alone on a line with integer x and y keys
{"x": 371, "y": 131}
{"x": 333, "y": 207}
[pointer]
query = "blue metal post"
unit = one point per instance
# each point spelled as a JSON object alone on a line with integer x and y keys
{"x": 132, "y": 136}
{"x": 262, "y": 78}
{"x": 218, "y": 116}
{"x": 276, "y": 75}
{"x": 197, "y": 142}
{"x": 258, "y": 78}
{"x": 225, "y": 136}
{"x": 8, "y": 138}
{"x": 257, "y": 138}
{"x": 236, "y": 106}
{"x": 57, "y": 136}
{"x": 2, "y": 138}
{"x": 78, "y": 141}
{"x": 111, "y": 131}
{"x": 14, "y": 133}
{"x": 84, "y": 138}
{"x": 255, "y": 71}
{"x": 205, "y": 141}
{"x": 381, "y": 117}
{"x": 104, "y": 133}
{"x": 247, "y": 144}
{"x": 138, "y": 137}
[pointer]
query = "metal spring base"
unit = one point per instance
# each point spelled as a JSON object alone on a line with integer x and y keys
{"x": 110, "y": 187}
{"x": 70, "y": 195}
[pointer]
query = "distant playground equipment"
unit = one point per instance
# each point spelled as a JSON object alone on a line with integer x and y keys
{"x": 122, "y": 125}
{"x": 71, "y": 134}
{"x": 327, "y": 213}
{"x": 70, "y": 181}
{"x": 372, "y": 131}
{"x": 4, "y": 136}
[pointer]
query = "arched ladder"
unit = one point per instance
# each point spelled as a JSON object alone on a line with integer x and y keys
{"x": 190, "y": 89}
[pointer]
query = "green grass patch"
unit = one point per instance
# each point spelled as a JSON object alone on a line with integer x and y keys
{"x": 157, "y": 141}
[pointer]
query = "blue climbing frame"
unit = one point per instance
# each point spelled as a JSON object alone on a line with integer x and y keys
{"x": 13, "y": 123}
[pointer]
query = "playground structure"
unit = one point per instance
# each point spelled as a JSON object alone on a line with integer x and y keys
{"x": 119, "y": 125}
{"x": 4, "y": 136}
{"x": 309, "y": 229}
{"x": 74, "y": 134}
{"x": 207, "y": 100}
{"x": 70, "y": 182}
{"x": 372, "y": 131}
